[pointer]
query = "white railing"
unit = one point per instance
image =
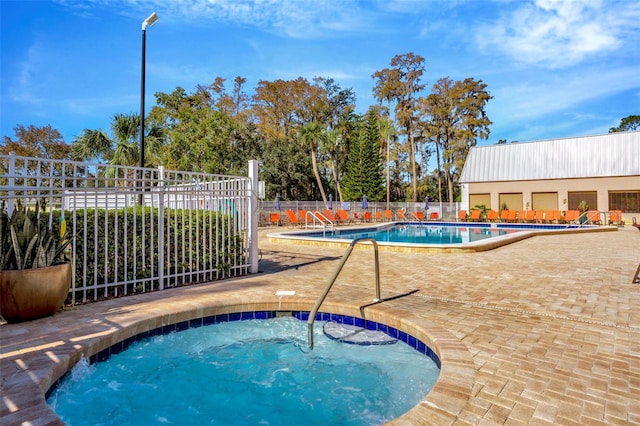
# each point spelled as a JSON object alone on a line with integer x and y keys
{"x": 445, "y": 211}
{"x": 137, "y": 229}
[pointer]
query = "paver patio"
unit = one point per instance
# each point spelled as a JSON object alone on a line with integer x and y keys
{"x": 543, "y": 331}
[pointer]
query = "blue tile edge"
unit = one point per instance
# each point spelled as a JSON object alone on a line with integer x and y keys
{"x": 261, "y": 315}
{"x": 116, "y": 348}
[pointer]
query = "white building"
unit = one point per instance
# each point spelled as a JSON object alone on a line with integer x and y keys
{"x": 557, "y": 174}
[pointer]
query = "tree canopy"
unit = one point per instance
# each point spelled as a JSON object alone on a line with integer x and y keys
{"x": 627, "y": 124}
{"x": 32, "y": 141}
{"x": 306, "y": 132}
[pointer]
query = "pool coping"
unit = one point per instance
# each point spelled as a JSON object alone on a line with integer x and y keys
{"x": 551, "y": 323}
{"x": 34, "y": 370}
{"x": 294, "y": 236}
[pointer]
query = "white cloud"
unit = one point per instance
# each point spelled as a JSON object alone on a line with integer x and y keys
{"x": 300, "y": 19}
{"x": 23, "y": 89}
{"x": 558, "y": 33}
{"x": 102, "y": 105}
{"x": 523, "y": 102}
{"x": 310, "y": 73}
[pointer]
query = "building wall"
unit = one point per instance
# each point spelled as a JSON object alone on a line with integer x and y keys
{"x": 561, "y": 186}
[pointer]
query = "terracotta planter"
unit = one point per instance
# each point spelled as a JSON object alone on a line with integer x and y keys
{"x": 33, "y": 293}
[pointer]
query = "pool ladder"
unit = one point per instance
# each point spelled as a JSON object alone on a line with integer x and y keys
{"x": 318, "y": 217}
{"x": 332, "y": 280}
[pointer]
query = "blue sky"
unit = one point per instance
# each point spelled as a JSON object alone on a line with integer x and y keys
{"x": 555, "y": 68}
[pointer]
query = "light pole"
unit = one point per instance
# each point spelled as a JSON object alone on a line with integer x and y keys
{"x": 146, "y": 23}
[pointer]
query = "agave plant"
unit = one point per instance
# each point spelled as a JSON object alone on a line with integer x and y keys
{"x": 26, "y": 243}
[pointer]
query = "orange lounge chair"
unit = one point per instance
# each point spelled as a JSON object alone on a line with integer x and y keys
{"x": 322, "y": 217}
{"x": 539, "y": 216}
{"x": 418, "y": 216}
{"x": 522, "y": 216}
{"x": 378, "y": 215}
{"x": 492, "y": 216}
{"x": 401, "y": 215}
{"x": 342, "y": 216}
{"x": 530, "y": 216}
{"x": 275, "y": 219}
{"x": 571, "y": 216}
{"x": 552, "y": 216}
{"x": 511, "y": 217}
{"x": 434, "y": 216}
{"x": 367, "y": 216}
{"x": 475, "y": 215}
{"x": 329, "y": 215}
{"x": 615, "y": 217}
{"x": 302, "y": 215}
{"x": 292, "y": 218}
{"x": 462, "y": 216}
{"x": 594, "y": 218}
{"x": 388, "y": 215}
{"x": 504, "y": 215}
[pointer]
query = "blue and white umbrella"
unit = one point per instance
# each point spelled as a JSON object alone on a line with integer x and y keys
{"x": 365, "y": 204}
{"x": 330, "y": 201}
{"x": 426, "y": 202}
{"x": 278, "y": 202}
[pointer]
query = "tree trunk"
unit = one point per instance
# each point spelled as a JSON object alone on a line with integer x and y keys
{"x": 388, "y": 174}
{"x": 314, "y": 161}
{"x": 449, "y": 187}
{"x": 439, "y": 169}
{"x": 334, "y": 170}
{"x": 414, "y": 170}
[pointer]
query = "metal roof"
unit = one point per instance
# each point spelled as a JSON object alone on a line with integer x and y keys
{"x": 613, "y": 154}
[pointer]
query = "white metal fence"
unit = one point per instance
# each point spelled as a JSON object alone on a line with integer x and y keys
{"x": 445, "y": 211}
{"x": 136, "y": 229}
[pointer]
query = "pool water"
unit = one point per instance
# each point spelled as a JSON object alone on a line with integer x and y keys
{"x": 246, "y": 373}
{"x": 421, "y": 234}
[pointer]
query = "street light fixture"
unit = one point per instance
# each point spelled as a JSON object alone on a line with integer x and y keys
{"x": 146, "y": 23}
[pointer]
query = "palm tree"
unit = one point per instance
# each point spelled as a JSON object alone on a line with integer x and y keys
{"x": 312, "y": 134}
{"x": 123, "y": 149}
{"x": 92, "y": 144}
{"x": 154, "y": 143}
{"x": 126, "y": 130}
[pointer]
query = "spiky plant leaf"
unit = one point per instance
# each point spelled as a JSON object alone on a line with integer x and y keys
{"x": 30, "y": 244}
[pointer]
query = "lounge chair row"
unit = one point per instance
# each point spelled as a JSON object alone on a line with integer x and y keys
{"x": 341, "y": 217}
{"x": 542, "y": 216}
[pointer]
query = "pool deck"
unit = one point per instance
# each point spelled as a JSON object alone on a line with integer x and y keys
{"x": 543, "y": 331}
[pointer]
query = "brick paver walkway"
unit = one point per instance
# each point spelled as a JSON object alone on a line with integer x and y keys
{"x": 543, "y": 331}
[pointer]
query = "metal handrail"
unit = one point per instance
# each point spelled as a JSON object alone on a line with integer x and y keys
{"x": 578, "y": 221}
{"x": 332, "y": 280}
{"x": 320, "y": 218}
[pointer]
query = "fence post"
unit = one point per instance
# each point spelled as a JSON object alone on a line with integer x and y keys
{"x": 161, "y": 227}
{"x": 253, "y": 216}
{"x": 12, "y": 182}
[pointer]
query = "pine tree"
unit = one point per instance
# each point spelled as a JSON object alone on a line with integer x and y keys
{"x": 373, "y": 166}
{"x": 365, "y": 169}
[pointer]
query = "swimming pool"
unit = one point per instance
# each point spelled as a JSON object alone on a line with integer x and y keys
{"x": 439, "y": 237}
{"x": 420, "y": 234}
{"x": 254, "y": 372}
